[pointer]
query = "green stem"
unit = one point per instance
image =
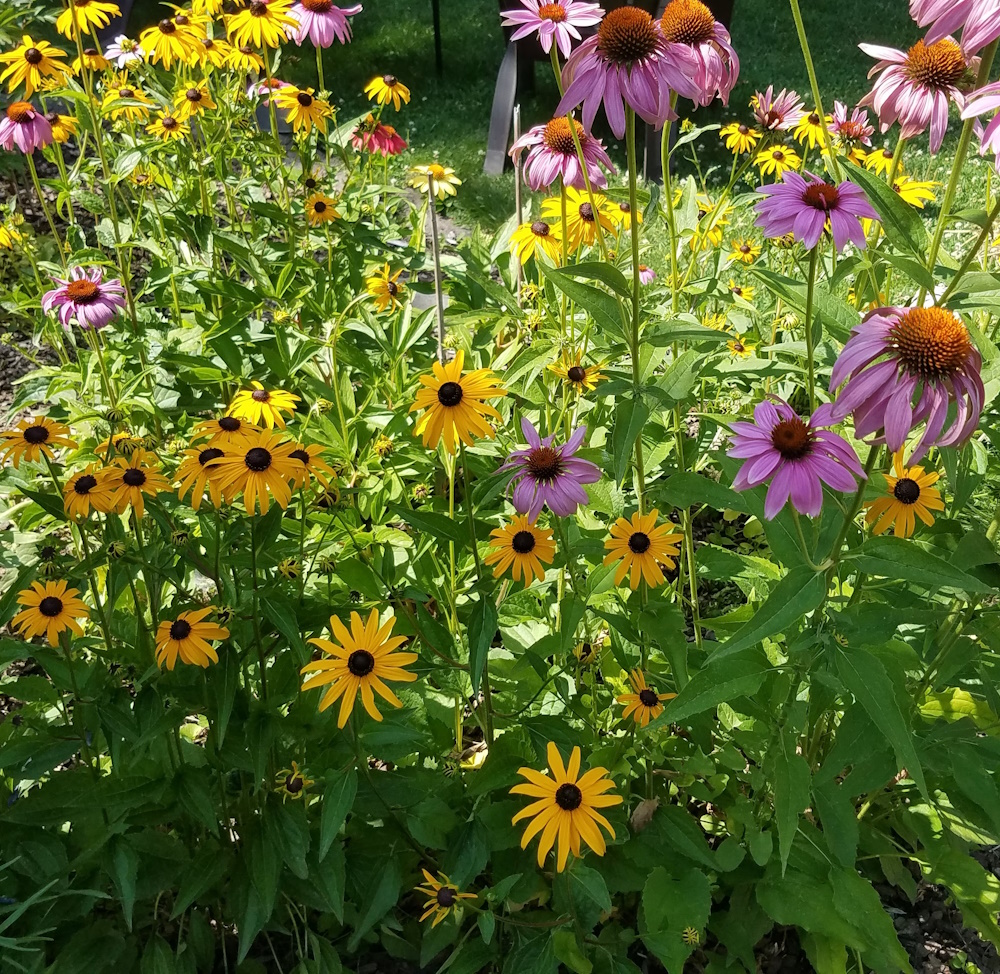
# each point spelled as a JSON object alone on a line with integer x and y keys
{"x": 971, "y": 255}
{"x": 810, "y": 352}
{"x": 855, "y": 506}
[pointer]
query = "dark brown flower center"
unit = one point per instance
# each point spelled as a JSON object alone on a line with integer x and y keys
{"x": 450, "y": 394}
{"x": 260, "y": 395}
{"x": 180, "y": 629}
{"x": 193, "y": 94}
{"x": 931, "y": 343}
{"x": 33, "y": 55}
{"x": 392, "y": 287}
{"x": 301, "y": 455}
{"x": 558, "y": 136}
{"x": 648, "y": 698}
{"x": 83, "y": 291}
{"x": 257, "y": 459}
{"x": 389, "y": 80}
{"x": 133, "y": 477}
{"x": 778, "y": 155}
{"x": 50, "y": 606}
{"x": 167, "y": 26}
{"x": 212, "y": 453}
{"x": 182, "y": 20}
{"x": 569, "y": 797}
{"x": 36, "y": 434}
{"x": 230, "y": 424}
{"x": 304, "y": 99}
{"x": 258, "y": 9}
{"x": 687, "y": 22}
{"x": 445, "y": 897}
{"x": 792, "y": 438}
{"x": 745, "y": 249}
{"x": 126, "y": 93}
{"x": 544, "y": 464}
{"x": 627, "y": 35}
{"x": 310, "y": 183}
{"x": 813, "y": 118}
{"x": 744, "y": 129}
{"x": 169, "y": 123}
{"x": 586, "y": 212}
{"x": 821, "y": 196}
{"x": 90, "y": 52}
{"x": 906, "y": 491}
{"x": 85, "y": 484}
{"x": 576, "y": 373}
{"x": 540, "y": 228}
{"x": 319, "y": 207}
{"x": 939, "y": 65}
{"x": 293, "y": 784}
{"x": 638, "y": 543}
{"x": 361, "y": 662}
{"x": 523, "y": 542}
{"x": 20, "y": 112}
{"x": 317, "y": 6}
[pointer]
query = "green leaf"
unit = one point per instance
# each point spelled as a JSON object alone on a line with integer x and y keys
{"x": 827, "y": 956}
{"x": 671, "y": 905}
{"x": 691, "y": 490}
{"x": 122, "y": 863}
{"x": 790, "y": 781}
{"x": 721, "y": 681}
{"x": 568, "y": 952}
{"x": 630, "y": 417}
{"x": 605, "y": 309}
{"x": 599, "y": 271}
{"x": 338, "y": 799}
{"x": 439, "y": 526}
{"x": 902, "y": 223}
{"x": 953, "y": 704}
{"x": 482, "y": 628}
{"x": 587, "y": 886}
{"x": 834, "y": 315}
{"x": 838, "y": 819}
{"x": 898, "y": 558}
{"x": 682, "y": 330}
{"x": 865, "y": 676}
{"x": 679, "y": 379}
{"x": 379, "y": 899}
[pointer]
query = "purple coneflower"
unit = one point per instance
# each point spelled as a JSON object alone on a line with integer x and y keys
{"x": 548, "y": 474}
{"x": 779, "y": 112}
{"x": 624, "y": 63}
{"x": 795, "y": 454}
{"x": 646, "y": 274}
{"x": 986, "y": 99}
{"x": 856, "y": 130}
{"x": 87, "y": 297}
{"x": 263, "y": 89}
{"x": 321, "y": 22}
{"x": 897, "y": 355}
{"x": 25, "y": 127}
{"x": 123, "y": 51}
{"x": 979, "y": 20}
{"x": 703, "y": 48}
{"x": 552, "y": 155}
{"x": 803, "y": 207}
{"x": 553, "y": 21}
{"x": 915, "y": 87}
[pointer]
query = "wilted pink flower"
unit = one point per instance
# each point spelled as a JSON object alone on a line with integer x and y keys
{"x": 898, "y": 355}
{"x": 548, "y": 474}
{"x": 553, "y": 21}
{"x": 915, "y": 87}
{"x": 646, "y": 274}
{"x": 779, "y": 112}
{"x": 372, "y": 136}
{"x": 25, "y": 127}
{"x": 795, "y": 454}
{"x": 552, "y": 155}
{"x": 804, "y": 205}
{"x": 624, "y": 63}
{"x": 87, "y": 297}
{"x": 321, "y": 22}
{"x": 981, "y": 102}
{"x": 854, "y": 130}
{"x": 979, "y": 21}
{"x": 703, "y": 49}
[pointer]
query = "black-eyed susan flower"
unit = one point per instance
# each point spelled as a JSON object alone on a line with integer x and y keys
{"x": 213, "y": 51}
{"x": 33, "y": 438}
{"x": 643, "y": 704}
{"x": 440, "y": 181}
{"x": 363, "y": 658}
{"x": 81, "y": 15}
{"x": 195, "y": 475}
{"x": 776, "y": 160}
{"x": 582, "y": 216}
{"x": 9, "y": 236}
{"x": 167, "y": 42}
{"x": 168, "y": 127}
{"x": 739, "y": 348}
{"x": 50, "y": 608}
{"x": 90, "y": 60}
{"x": 244, "y": 58}
{"x": 739, "y": 138}
{"x": 133, "y": 479}
{"x": 570, "y": 368}
{"x": 262, "y": 24}
{"x": 262, "y": 468}
{"x": 263, "y": 407}
{"x": 915, "y": 191}
{"x": 743, "y": 291}
{"x": 188, "y": 637}
{"x": 455, "y": 405}
{"x": 63, "y": 126}
{"x": 311, "y": 464}
{"x": 387, "y": 88}
{"x": 119, "y": 98}
{"x": 386, "y": 289}
{"x": 809, "y": 131}
{"x": 534, "y": 238}
{"x": 442, "y": 897}
{"x": 879, "y": 161}
{"x": 320, "y": 209}
{"x": 521, "y": 547}
{"x": 621, "y": 214}
{"x": 292, "y": 782}
{"x": 641, "y": 546}
{"x": 589, "y": 651}
{"x": 193, "y": 100}
{"x": 743, "y": 251}
{"x": 86, "y": 491}
{"x": 302, "y": 109}
{"x": 910, "y": 493}
{"x": 30, "y": 62}
{"x": 565, "y": 807}
{"x": 226, "y": 432}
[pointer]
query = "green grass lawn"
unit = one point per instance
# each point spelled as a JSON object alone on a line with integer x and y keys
{"x": 448, "y": 118}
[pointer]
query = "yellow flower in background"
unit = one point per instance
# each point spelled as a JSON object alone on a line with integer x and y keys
{"x": 132, "y": 480}
{"x": 86, "y": 491}
{"x": 565, "y": 807}
{"x": 442, "y": 896}
{"x": 302, "y": 108}
{"x": 262, "y": 407}
{"x": 227, "y": 432}
{"x": 195, "y": 474}
{"x": 439, "y": 180}
{"x": 385, "y": 288}
{"x": 32, "y": 439}
{"x": 743, "y": 291}
{"x": 213, "y": 51}
{"x": 245, "y": 59}
{"x": 363, "y": 658}
{"x": 880, "y": 161}
{"x": 740, "y": 349}
{"x": 777, "y": 160}
{"x": 521, "y": 547}
{"x": 292, "y": 782}
{"x": 261, "y": 24}
{"x": 82, "y": 15}
{"x": 166, "y": 42}
{"x": 119, "y": 94}
{"x": 193, "y": 100}
{"x": 915, "y": 191}
{"x": 581, "y": 220}
{"x": 50, "y": 608}
{"x": 743, "y": 251}
{"x": 810, "y": 130}
{"x": 168, "y": 127}
{"x": 621, "y": 214}
{"x": 262, "y": 468}
{"x": 455, "y": 404}
{"x": 320, "y": 209}
{"x": 188, "y": 637}
{"x": 531, "y": 239}
{"x": 388, "y": 88}
{"x": 63, "y": 127}
{"x": 910, "y": 493}
{"x": 581, "y": 377}
{"x": 311, "y": 464}
{"x": 30, "y": 62}
{"x": 641, "y": 546}
{"x": 643, "y": 704}
{"x": 9, "y": 236}
{"x": 211, "y": 8}
{"x": 739, "y": 138}
{"x": 92, "y": 60}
